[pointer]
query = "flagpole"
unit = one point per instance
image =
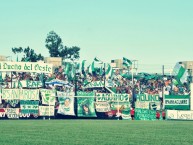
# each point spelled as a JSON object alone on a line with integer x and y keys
{"x": 132, "y": 73}
{"x": 104, "y": 74}
{"x": 49, "y": 107}
{"x": 118, "y": 109}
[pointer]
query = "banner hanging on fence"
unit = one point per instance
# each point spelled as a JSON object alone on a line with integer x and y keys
{"x": 148, "y": 97}
{"x": 142, "y": 105}
{"x": 12, "y": 113}
{"x": 86, "y": 107}
{"x": 13, "y": 103}
{"x": 180, "y": 115}
{"x": 29, "y": 107}
{"x": 115, "y": 101}
{"x": 177, "y": 102}
{"x": 25, "y": 67}
{"x": 48, "y": 96}
{"x": 145, "y": 114}
{"x": 46, "y": 110}
{"x": 22, "y": 94}
{"x": 126, "y": 114}
{"x": 26, "y": 84}
{"x": 66, "y": 106}
{"x": 101, "y": 97}
{"x": 102, "y": 106}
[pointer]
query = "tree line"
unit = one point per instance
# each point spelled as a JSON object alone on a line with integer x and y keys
{"x": 54, "y": 44}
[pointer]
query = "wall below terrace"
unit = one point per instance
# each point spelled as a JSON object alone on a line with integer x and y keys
{"x": 56, "y": 61}
{"x": 2, "y": 58}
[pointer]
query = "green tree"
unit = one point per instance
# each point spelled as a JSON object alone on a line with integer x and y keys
{"x": 29, "y": 54}
{"x": 56, "y": 48}
{"x": 54, "y": 44}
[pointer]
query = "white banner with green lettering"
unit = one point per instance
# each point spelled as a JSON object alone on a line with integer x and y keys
{"x": 46, "y": 110}
{"x": 29, "y": 107}
{"x": 148, "y": 101}
{"x": 20, "y": 94}
{"x": 115, "y": 101}
{"x": 12, "y": 113}
{"x": 26, "y": 84}
{"x": 177, "y": 102}
{"x": 26, "y": 67}
{"x": 179, "y": 114}
{"x": 102, "y": 106}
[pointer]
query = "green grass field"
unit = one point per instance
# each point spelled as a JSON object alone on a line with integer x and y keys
{"x": 95, "y": 132}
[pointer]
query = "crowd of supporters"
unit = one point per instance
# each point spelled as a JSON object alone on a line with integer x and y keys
{"x": 118, "y": 83}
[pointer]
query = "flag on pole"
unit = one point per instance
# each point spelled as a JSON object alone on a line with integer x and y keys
{"x": 82, "y": 68}
{"x": 109, "y": 69}
{"x": 92, "y": 67}
{"x": 1, "y": 78}
{"x": 127, "y": 62}
{"x": 17, "y": 58}
{"x": 97, "y": 60}
{"x": 67, "y": 68}
{"x": 180, "y": 73}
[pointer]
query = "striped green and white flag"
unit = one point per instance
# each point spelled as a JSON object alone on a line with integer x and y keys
{"x": 67, "y": 68}
{"x": 93, "y": 67}
{"x": 1, "y": 78}
{"x": 82, "y": 68}
{"x": 127, "y": 62}
{"x": 97, "y": 60}
{"x": 180, "y": 73}
{"x": 108, "y": 70}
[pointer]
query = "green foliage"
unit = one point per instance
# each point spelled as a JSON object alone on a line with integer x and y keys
{"x": 95, "y": 132}
{"x": 54, "y": 44}
{"x": 29, "y": 54}
{"x": 56, "y": 48}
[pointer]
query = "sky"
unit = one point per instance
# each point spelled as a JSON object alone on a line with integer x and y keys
{"x": 153, "y": 32}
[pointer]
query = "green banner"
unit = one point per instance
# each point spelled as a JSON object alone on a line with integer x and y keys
{"x": 86, "y": 107}
{"x": 145, "y": 114}
{"x": 29, "y": 107}
{"x": 177, "y": 102}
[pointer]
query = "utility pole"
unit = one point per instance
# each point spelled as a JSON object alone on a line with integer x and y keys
{"x": 162, "y": 84}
